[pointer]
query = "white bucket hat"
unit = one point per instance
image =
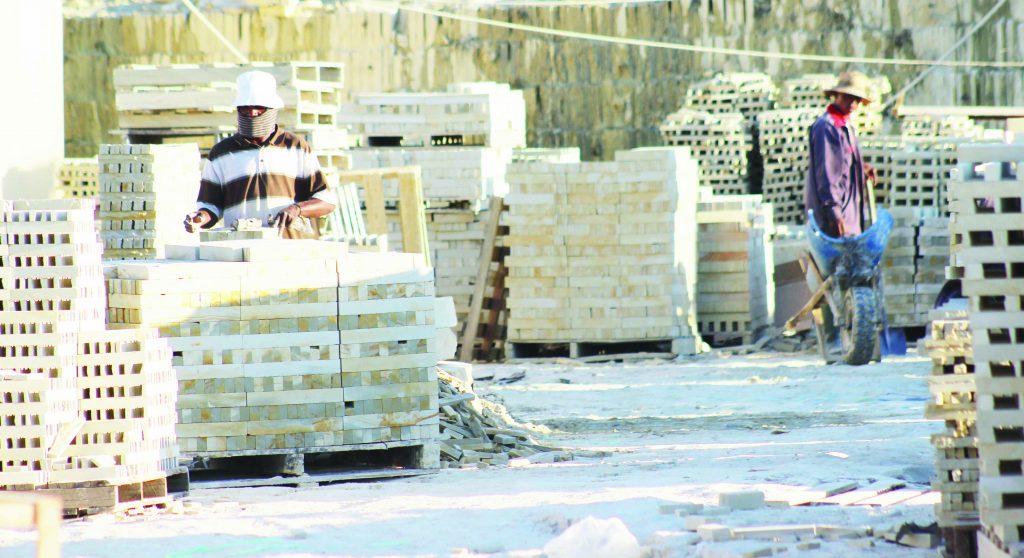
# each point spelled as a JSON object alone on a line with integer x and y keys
{"x": 258, "y": 89}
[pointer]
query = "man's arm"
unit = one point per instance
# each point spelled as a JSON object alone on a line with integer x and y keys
{"x": 209, "y": 202}
{"x": 826, "y": 160}
{"x": 312, "y": 208}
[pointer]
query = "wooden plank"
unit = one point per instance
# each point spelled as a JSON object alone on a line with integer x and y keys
{"x": 869, "y": 491}
{"x": 891, "y": 498}
{"x": 373, "y": 188}
{"x": 410, "y": 208}
{"x": 469, "y": 334}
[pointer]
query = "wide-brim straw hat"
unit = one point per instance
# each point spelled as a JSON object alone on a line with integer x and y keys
{"x": 855, "y": 84}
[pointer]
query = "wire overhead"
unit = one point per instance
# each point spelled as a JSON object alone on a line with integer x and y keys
{"x": 696, "y": 48}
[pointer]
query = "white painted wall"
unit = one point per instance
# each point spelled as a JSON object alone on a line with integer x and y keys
{"x": 31, "y": 98}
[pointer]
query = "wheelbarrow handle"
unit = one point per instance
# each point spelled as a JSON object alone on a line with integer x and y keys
{"x": 790, "y": 327}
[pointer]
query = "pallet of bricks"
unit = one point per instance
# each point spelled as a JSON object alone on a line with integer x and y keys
{"x": 782, "y": 141}
{"x": 933, "y": 253}
{"x": 721, "y": 143}
{"x": 986, "y": 199}
{"x": 603, "y": 254}
{"x": 735, "y": 269}
{"x": 746, "y": 93}
{"x": 88, "y": 413}
{"x": 196, "y": 101}
{"x": 462, "y": 140}
{"x": 291, "y": 347}
{"x": 78, "y": 178}
{"x": 145, "y": 192}
{"x": 898, "y": 269}
{"x": 953, "y": 389}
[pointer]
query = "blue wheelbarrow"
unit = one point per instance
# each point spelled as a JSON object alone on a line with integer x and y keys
{"x": 845, "y": 278}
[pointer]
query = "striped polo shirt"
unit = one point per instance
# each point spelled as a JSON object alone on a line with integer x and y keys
{"x": 246, "y": 180}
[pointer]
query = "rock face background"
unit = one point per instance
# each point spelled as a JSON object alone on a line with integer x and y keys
{"x": 597, "y": 96}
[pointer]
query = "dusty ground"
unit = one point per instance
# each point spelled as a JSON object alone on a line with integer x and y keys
{"x": 676, "y": 432}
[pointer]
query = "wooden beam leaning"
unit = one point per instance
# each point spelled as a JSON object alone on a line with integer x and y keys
{"x": 476, "y": 305}
{"x": 26, "y": 510}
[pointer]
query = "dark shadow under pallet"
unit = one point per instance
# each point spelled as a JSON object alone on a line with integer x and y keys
{"x": 314, "y": 466}
{"x": 960, "y": 541}
{"x": 590, "y": 351}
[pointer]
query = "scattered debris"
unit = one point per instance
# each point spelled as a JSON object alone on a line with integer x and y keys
{"x": 476, "y": 431}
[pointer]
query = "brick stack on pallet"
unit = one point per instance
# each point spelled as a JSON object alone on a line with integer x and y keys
{"x": 145, "y": 192}
{"x": 82, "y": 404}
{"x": 78, "y": 178}
{"x": 603, "y": 252}
{"x": 932, "y": 258}
{"x": 949, "y": 126}
{"x": 783, "y": 144}
{"x": 898, "y": 269}
{"x": 953, "y": 388}
{"x": 868, "y": 119}
{"x": 190, "y": 100}
{"x": 463, "y": 140}
{"x": 721, "y": 143}
{"x": 340, "y": 356}
{"x": 876, "y": 151}
{"x": 806, "y": 92}
{"x": 746, "y": 93}
{"x": 467, "y": 114}
{"x": 916, "y": 178}
{"x": 986, "y": 200}
{"x": 735, "y": 269}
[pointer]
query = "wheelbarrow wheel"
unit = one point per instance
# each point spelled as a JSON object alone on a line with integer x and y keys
{"x": 859, "y": 334}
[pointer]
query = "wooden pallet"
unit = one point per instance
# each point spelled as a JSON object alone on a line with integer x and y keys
{"x": 82, "y": 499}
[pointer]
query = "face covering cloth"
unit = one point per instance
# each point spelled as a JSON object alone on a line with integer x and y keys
{"x": 259, "y": 126}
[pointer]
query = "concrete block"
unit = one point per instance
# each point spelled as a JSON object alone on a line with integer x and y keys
{"x": 742, "y": 500}
{"x": 714, "y": 532}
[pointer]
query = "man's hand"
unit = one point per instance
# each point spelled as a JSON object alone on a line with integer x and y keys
{"x": 870, "y": 174}
{"x": 197, "y": 220}
{"x": 287, "y": 216}
{"x": 841, "y": 228}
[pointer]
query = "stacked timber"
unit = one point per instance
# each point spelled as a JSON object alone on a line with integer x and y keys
{"x": 986, "y": 200}
{"x": 603, "y": 251}
{"x": 735, "y": 269}
{"x": 78, "y": 178}
{"x": 194, "y": 98}
{"x": 721, "y": 143}
{"x": 468, "y": 114}
{"x": 953, "y": 388}
{"x": 783, "y": 145}
{"x": 145, "y": 191}
{"x": 898, "y": 269}
{"x": 747, "y": 93}
{"x": 81, "y": 404}
{"x": 339, "y": 354}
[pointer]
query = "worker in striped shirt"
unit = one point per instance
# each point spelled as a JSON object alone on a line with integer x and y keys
{"x": 261, "y": 172}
